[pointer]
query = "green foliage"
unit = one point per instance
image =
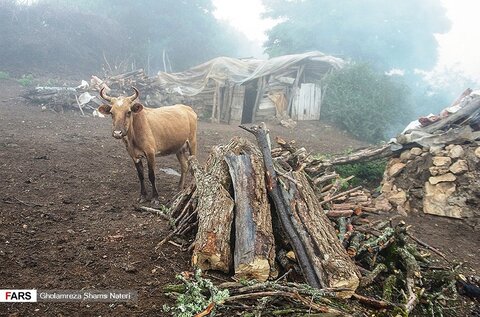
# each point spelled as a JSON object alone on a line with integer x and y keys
{"x": 4, "y": 75}
{"x": 398, "y": 34}
{"x": 52, "y": 83}
{"x": 366, "y": 173}
{"x": 194, "y": 299}
{"x": 370, "y": 105}
{"x": 26, "y": 80}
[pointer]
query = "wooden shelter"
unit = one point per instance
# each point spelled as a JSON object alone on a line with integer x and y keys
{"x": 247, "y": 90}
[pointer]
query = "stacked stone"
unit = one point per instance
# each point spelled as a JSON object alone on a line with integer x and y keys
{"x": 442, "y": 181}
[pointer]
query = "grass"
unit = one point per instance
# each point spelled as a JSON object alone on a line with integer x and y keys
{"x": 26, "y": 80}
{"x": 367, "y": 173}
{"x": 4, "y": 75}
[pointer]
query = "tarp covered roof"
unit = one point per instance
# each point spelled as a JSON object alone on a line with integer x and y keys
{"x": 239, "y": 71}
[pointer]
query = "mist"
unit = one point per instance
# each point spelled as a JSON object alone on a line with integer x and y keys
{"x": 76, "y": 39}
{"x": 84, "y": 37}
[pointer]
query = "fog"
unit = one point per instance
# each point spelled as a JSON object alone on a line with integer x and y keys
{"x": 106, "y": 37}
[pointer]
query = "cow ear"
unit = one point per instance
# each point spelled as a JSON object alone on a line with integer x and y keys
{"x": 136, "y": 107}
{"x": 104, "y": 109}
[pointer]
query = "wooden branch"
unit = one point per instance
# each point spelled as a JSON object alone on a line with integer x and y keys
{"x": 339, "y": 213}
{"x": 282, "y": 209}
{"x": 363, "y": 155}
{"x": 320, "y": 255}
{"x": 372, "y": 302}
{"x": 367, "y": 280}
{"x": 157, "y": 212}
{"x": 427, "y": 246}
{"x": 445, "y": 123}
{"x": 294, "y": 296}
{"x": 340, "y": 195}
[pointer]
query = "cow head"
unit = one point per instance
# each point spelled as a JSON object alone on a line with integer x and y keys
{"x": 122, "y": 110}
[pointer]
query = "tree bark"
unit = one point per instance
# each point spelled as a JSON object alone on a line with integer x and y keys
{"x": 321, "y": 256}
{"x": 331, "y": 262}
{"x": 254, "y": 253}
{"x": 212, "y": 249}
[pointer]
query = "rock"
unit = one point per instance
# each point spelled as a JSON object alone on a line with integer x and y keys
{"x": 442, "y": 161}
{"x": 456, "y": 152}
{"x": 416, "y": 151}
{"x": 398, "y": 199}
{"x": 436, "y": 150}
{"x": 387, "y": 187}
{"x": 448, "y": 147}
{"x": 477, "y": 152}
{"x": 395, "y": 169}
{"x": 436, "y": 170}
{"x": 405, "y": 156}
{"x": 382, "y": 204}
{"x": 448, "y": 177}
{"x": 402, "y": 211}
{"x": 436, "y": 200}
{"x": 459, "y": 167}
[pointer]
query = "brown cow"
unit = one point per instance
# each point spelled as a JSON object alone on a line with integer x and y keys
{"x": 149, "y": 132}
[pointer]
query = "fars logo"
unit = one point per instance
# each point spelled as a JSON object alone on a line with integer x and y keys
{"x": 18, "y": 295}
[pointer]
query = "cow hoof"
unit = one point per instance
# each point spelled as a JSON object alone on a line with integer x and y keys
{"x": 142, "y": 199}
{"x": 155, "y": 203}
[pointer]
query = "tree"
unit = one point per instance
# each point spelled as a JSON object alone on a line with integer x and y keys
{"x": 370, "y": 105}
{"x": 74, "y": 36}
{"x": 186, "y": 30}
{"x": 388, "y": 34}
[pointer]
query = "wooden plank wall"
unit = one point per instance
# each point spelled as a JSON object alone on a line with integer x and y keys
{"x": 307, "y": 102}
{"x": 237, "y": 104}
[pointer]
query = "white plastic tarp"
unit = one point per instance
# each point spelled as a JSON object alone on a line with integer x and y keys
{"x": 239, "y": 71}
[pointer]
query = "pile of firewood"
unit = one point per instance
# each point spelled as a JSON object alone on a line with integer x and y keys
{"x": 258, "y": 214}
{"x": 84, "y": 97}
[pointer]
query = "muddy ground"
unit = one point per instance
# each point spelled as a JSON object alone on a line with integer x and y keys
{"x": 68, "y": 218}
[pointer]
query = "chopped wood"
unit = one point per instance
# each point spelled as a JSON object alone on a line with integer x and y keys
{"x": 424, "y": 244}
{"x": 339, "y": 213}
{"x": 283, "y": 210}
{"x": 379, "y": 304}
{"x": 254, "y": 243}
{"x": 340, "y": 195}
{"x": 212, "y": 249}
{"x": 367, "y": 280}
{"x": 157, "y": 212}
{"x": 294, "y": 296}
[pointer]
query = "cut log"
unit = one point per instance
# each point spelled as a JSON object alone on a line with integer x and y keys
{"x": 320, "y": 255}
{"x": 283, "y": 209}
{"x": 329, "y": 255}
{"x": 215, "y": 215}
{"x": 254, "y": 253}
{"x": 364, "y": 155}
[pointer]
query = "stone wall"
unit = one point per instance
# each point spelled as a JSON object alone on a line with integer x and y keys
{"x": 443, "y": 181}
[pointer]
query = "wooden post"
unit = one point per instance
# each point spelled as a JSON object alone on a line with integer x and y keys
{"x": 260, "y": 91}
{"x": 215, "y": 103}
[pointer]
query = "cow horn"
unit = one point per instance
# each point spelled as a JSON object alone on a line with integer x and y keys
{"x": 104, "y": 95}
{"x": 135, "y": 95}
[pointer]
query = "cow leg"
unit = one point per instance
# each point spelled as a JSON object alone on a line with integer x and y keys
{"x": 151, "y": 177}
{"x": 182, "y": 158}
{"x": 143, "y": 191}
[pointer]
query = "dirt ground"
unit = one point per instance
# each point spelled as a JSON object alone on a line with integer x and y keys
{"x": 68, "y": 217}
